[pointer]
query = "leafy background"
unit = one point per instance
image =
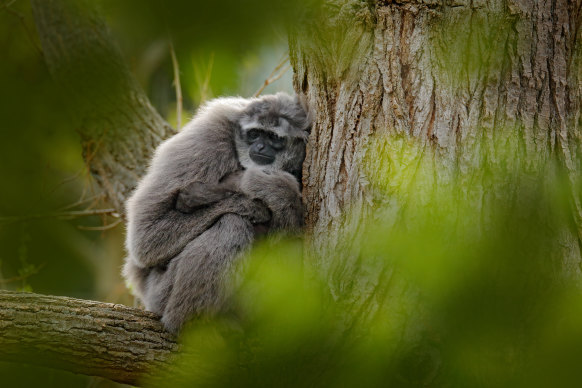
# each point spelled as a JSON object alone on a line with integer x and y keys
{"x": 490, "y": 307}
{"x": 223, "y": 48}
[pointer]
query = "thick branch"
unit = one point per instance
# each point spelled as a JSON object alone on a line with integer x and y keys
{"x": 118, "y": 126}
{"x": 93, "y": 338}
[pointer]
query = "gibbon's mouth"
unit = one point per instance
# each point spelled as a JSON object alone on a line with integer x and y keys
{"x": 261, "y": 159}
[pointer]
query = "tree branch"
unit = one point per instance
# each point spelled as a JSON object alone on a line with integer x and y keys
{"x": 100, "y": 339}
{"x": 119, "y": 128}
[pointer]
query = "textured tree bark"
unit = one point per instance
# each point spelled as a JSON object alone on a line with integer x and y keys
{"x": 450, "y": 79}
{"x": 444, "y": 92}
{"x": 118, "y": 126}
{"x": 120, "y": 343}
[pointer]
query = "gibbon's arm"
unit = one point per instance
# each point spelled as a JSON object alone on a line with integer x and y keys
{"x": 279, "y": 190}
{"x": 200, "y": 274}
{"x": 199, "y": 194}
{"x": 159, "y": 231}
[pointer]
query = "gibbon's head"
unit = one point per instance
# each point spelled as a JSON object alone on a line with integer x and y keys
{"x": 272, "y": 133}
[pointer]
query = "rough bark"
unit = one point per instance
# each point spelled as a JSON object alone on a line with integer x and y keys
{"x": 120, "y": 343}
{"x": 119, "y": 128}
{"x": 413, "y": 96}
{"x": 454, "y": 80}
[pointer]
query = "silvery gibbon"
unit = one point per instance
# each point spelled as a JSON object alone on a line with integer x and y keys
{"x": 233, "y": 172}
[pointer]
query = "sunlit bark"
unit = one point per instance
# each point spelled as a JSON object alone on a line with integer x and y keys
{"x": 465, "y": 84}
{"x": 411, "y": 97}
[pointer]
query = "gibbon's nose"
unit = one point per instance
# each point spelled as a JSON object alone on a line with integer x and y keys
{"x": 260, "y": 146}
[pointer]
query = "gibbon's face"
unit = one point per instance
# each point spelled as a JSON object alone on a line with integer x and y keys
{"x": 272, "y": 134}
{"x": 271, "y": 149}
{"x": 264, "y": 145}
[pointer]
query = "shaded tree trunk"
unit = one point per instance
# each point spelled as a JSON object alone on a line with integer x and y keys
{"x": 413, "y": 97}
{"x": 465, "y": 84}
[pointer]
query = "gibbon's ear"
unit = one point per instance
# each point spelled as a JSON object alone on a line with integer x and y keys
{"x": 310, "y": 115}
{"x": 235, "y": 125}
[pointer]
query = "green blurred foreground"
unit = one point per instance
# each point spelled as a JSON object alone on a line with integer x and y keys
{"x": 472, "y": 284}
{"x": 456, "y": 301}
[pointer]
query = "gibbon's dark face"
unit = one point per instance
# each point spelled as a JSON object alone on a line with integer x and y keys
{"x": 264, "y": 145}
{"x": 271, "y": 133}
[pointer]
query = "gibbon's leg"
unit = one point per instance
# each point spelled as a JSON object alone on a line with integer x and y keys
{"x": 201, "y": 270}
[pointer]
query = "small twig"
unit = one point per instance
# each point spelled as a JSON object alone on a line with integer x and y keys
{"x": 62, "y": 215}
{"x": 23, "y": 277}
{"x": 64, "y": 181}
{"x": 82, "y": 200}
{"x": 271, "y": 80}
{"x": 85, "y": 213}
{"x": 177, "y": 85}
{"x": 274, "y": 76}
{"x": 284, "y": 59}
{"x": 206, "y": 85}
{"x": 31, "y": 36}
{"x": 203, "y": 80}
{"x": 101, "y": 228}
{"x": 91, "y": 148}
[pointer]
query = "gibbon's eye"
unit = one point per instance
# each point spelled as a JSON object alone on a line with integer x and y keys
{"x": 277, "y": 142}
{"x": 253, "y": 135}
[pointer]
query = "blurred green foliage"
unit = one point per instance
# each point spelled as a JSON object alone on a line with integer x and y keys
{"x": 41, "y": 171}
{"x": 467, "y": 45}
{"x": 39, "y": 153}
{"x": 41, "y": 166}
{"x": 223, "y": 48}
{"x": 455, "y": 304}
{"x": 467, "y": 290}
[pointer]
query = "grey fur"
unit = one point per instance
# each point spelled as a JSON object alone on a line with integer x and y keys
{"x": 203, "y": 200}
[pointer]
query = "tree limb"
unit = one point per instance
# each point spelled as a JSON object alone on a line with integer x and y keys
{"x": 100, "y": 339}
{"x": 119, "y": 127}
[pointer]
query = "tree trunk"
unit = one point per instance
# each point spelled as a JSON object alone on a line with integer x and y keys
{"x": 411, "y": 97}
{"x": 118, "y": 126}
{"x": 466, "y": 84}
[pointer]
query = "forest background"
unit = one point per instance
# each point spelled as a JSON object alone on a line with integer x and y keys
{"x": 442, "y": 184}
